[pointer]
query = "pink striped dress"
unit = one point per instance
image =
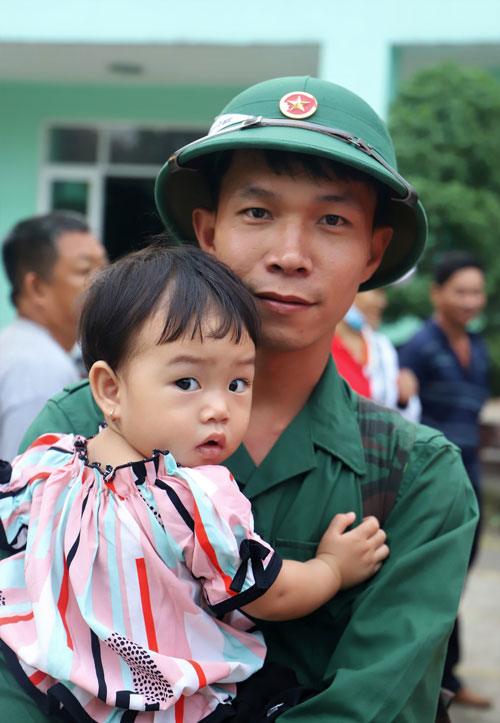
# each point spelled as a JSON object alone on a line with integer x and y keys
{"x": 124, "y": 589}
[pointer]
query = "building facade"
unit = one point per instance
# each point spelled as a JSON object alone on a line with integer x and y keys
{"x": 94, "y": 95}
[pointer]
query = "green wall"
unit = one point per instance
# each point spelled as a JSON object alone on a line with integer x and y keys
{"x": 26, "y": 109}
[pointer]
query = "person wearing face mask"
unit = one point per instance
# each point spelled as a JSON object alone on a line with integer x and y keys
{"x": 350, "y": 351}
{"x": 368, "y": 360}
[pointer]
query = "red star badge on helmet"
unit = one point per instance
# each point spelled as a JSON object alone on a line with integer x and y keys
{"x": 298, "y": 104}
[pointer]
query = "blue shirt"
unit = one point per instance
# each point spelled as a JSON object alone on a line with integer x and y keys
{"x": 451, "y": 394}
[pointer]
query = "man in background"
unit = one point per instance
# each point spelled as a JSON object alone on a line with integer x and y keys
{"x": 48, "y": 260}
{"x": 451, "y": 365}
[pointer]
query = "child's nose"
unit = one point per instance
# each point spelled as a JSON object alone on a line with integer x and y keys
{"x": 215, "y": 409}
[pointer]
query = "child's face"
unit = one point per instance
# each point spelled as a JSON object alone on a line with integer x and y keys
{"x": 189, "y": 396}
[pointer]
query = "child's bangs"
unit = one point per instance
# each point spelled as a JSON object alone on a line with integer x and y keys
{"x": 200, "y": 312}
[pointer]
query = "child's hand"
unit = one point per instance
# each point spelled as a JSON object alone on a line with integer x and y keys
{"x": 356, "y": 555}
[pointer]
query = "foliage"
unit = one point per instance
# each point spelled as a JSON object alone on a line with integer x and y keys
{"x": 445, "y": 124}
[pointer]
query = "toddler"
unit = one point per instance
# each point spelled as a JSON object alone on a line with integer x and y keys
{"x": 137, "y": 566}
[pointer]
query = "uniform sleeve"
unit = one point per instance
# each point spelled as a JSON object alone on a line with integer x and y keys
{"x": 387, "y": 666}
{"x": 235, "y": 564}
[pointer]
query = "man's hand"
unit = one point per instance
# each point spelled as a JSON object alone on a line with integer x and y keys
{"x": 355, "y": 555}
{"x": 407, "y": 386}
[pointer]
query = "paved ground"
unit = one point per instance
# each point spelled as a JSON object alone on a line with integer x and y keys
{"x": 480, "y": 619}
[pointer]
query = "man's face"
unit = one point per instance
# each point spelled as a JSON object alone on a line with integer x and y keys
{"x": 303, "y": 245}
{"x": 80, "y": 255}
{"x": 462, "y": 297}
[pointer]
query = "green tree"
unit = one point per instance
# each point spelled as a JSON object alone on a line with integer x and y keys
{"x": 445, "y": 124}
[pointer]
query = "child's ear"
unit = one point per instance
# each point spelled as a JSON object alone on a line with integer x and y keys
{"x": 105, "y": 387}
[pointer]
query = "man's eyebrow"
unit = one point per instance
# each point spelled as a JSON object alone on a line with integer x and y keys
{"x": 88, "y": 257}
{"x": 338, "y": 198}
{"x": 249, "y": 191}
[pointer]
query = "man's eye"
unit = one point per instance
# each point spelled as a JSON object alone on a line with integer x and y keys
{"x": 238, "y": 385}
{"x": 188, "y": 384}
{"x": 332, "y": 219}
{"x": 257, "y": 212}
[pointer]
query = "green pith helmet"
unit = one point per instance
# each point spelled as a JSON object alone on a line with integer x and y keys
{"x": 302, "y": 115}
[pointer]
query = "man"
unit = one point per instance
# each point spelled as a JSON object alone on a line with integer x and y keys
{"x": 451, "y": 365}
{"x": 48, "y": 260}
{"x": 304, "y": 232}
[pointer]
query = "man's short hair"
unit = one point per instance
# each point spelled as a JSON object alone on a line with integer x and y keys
{"x": 455, "y": 261}
{"x": 32, "y": 246}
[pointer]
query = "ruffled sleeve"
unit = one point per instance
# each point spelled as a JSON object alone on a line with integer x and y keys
{"x": 18, "y": 483}
{"x": 235, "y": 565}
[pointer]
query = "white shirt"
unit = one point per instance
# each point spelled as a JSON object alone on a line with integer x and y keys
{"x": 33, "y": 367}
{"x": 382, "y": 370}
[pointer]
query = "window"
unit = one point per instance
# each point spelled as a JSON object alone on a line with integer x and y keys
{"x": 73, "y": 145}
{"x": 107, "y": 173}
{"x": 133, "y": 145}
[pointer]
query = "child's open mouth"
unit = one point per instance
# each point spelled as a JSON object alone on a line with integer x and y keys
{"x": 212, "y": 448}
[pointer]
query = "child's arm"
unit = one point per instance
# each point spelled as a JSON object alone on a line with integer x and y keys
{"x": 343, "y": 559}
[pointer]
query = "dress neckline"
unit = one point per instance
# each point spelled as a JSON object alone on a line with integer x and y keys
{"x": 108, "y": 474}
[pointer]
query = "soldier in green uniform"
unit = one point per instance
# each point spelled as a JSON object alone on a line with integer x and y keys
{"x": 295, "y": 188}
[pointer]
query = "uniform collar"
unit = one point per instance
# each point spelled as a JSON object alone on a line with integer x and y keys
{"x": 328, "y": 421}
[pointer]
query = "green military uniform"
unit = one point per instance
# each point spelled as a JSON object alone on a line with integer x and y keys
{"x": 377, "y": 650}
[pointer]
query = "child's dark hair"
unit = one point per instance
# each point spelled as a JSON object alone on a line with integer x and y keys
{"x": 128, "y": 291}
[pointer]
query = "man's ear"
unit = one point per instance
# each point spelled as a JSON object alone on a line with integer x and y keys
{"x": 33, "y": 288}
{"x": 435, "y": 294}
{"x": 381, "y": 237}
{"x": 204, "y": 227}
{"x": 105, "y": 386}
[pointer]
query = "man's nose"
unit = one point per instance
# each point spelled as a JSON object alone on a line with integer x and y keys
{"x": 290, "y": 251}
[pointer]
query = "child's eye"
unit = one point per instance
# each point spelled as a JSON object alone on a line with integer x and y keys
{"x": 238, "y": 385}
{"x": 188, "y": 384}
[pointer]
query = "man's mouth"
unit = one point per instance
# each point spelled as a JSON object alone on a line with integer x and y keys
{"x": 283, "y": 303}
